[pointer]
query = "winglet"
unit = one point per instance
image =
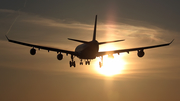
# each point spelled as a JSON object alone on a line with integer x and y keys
{"x": 7, "y": 38}
{"x": 171, "y": 41}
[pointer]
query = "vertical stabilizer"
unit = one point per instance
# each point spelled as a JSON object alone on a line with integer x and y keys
{"x": 94, "y": 34}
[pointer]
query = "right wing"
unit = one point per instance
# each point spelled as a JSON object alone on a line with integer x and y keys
{"x": 131, "y": 49}
{"x": 42, "y": 47}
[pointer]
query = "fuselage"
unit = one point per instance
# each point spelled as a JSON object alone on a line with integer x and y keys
{"x": 87, "y": 50}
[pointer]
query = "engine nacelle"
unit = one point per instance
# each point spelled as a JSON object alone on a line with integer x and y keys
{"x": 59, "y": 56}
{"x": 33, "y": 51}
{"x": 140, "y": 53}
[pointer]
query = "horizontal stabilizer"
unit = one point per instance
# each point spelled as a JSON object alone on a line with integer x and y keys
{"x": 78, "y": 40}
{"x": 110, "y": 41}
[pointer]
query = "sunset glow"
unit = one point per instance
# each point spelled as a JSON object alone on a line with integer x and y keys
{"x": 111, "y": 66}
{"x": 44, "y": 76}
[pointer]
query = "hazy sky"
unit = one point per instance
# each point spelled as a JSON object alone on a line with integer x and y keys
{"x": 155, "y": 77}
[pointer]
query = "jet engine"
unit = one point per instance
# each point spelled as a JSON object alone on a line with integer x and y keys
{"x": 60, "y": 56}
{"x": 140, "y": 53}
{"x": 33, "y": 51}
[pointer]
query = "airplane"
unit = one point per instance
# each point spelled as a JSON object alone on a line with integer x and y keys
{"x": 88, "y": 50}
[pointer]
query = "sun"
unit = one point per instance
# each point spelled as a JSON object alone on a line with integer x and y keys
{"x": 111, "y": 66}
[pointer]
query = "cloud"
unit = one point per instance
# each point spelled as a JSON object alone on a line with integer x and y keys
{"x": 150, "y": 32}
{"x": 117, "y": 29}
{"x": 143, "y": 35}
{"x": 57, "y": 23}
{"x": 8, "y": 11}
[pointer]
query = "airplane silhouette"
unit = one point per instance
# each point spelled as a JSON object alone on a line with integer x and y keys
{"x": 88, "y": 50}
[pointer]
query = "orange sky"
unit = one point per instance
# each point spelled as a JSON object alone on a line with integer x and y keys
{"x": 42, "y": 77}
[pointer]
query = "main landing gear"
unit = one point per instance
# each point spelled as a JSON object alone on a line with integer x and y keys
{"x": 101, "y": 62}
{"x": 81, "y": 63}
{"x": 86, "y": 62}
{"x": 72, "y": 63}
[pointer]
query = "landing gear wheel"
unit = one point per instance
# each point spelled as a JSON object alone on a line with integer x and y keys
{"x": 81, "y": 63}
{"x": 88, "y": 62}
{"x": 100, "y": 64}
{"x": 70, "y": 63}
{"x": 74, "y": 64}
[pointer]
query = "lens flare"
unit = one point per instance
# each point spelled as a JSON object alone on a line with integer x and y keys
{"x": 111, "y": 66}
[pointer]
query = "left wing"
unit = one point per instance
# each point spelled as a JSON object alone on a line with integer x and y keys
{"x": 131, "y": 49}
{"x": 42, "y": 47}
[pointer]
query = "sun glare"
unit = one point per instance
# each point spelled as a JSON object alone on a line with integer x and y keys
{"x": 111, "y": 66}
